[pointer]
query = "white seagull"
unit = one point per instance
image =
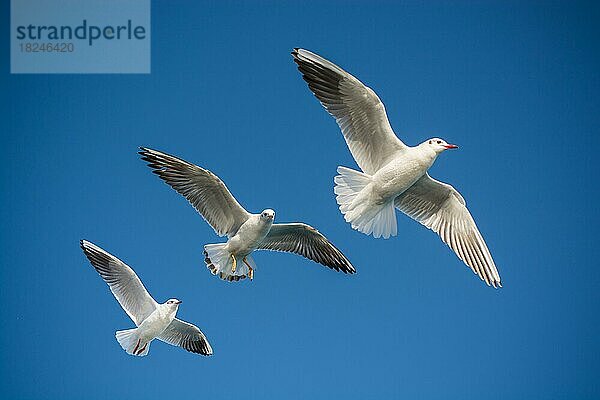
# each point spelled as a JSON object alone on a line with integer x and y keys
{"x": 394, "y": 174}
{"x": 246, "y": 232}
{"x": 153, "y": 320}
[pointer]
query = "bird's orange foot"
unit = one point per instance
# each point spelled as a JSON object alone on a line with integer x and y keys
{"x": 234, "y": 266}
{"x": 250, "y": 269}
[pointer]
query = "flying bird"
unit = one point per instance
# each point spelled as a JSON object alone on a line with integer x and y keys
{"x": 153, "y": 320}
{"x": 394, "y": 175}
{"x": 246, "y": 232}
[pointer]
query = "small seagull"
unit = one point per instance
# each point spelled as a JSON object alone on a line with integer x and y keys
{"x": 246, "y": 232}
{"x": 153, "y": 320}
{"x": 393, "y": 175}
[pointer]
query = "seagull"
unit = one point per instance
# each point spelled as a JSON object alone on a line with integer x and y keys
{"x": 393, "y": 175}
{"x": 246, "y": 232}
{"x": 153, "y": 320}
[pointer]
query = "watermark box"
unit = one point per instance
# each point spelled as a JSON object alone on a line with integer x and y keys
{"x": 80, "y": 36}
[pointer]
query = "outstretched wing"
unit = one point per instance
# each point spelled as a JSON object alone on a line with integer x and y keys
{"x": 203, "y": 189}
{"x": 306, "y": 241}
{"x": 122, "y": 281}
{"x": 188, "y": 336}
{"x": 439, "y": 207}
{"x": 356, "y": 108}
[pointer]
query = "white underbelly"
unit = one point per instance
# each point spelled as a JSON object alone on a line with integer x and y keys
{"x": 247, "y": 239}
{"x": 154, "y": 325}
{"x": 394, "y": 178}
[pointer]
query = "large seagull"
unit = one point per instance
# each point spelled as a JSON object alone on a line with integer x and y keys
{"x": 246, "y": 232}
{"x": 393, "y": 175}
{"x": 153, "y": 320}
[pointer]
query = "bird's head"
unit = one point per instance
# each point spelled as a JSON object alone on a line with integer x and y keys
{"x": 173, "y": 304}
{"x": 438, "y": 145}
{"x": 267, "y": 215}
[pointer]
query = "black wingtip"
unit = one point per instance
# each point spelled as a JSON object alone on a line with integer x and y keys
{"x": 85, "y": 245}
{"x": 146, "y": 154}
{"x": 348, "y": 270}
{"x": 143, "y": 150}
{"x": 88, "y": 249}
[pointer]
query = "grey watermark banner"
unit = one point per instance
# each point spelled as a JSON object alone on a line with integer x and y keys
{"x": 80, "y": 36}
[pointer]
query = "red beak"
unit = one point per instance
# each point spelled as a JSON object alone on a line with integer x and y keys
{"x": 451, "y": 146}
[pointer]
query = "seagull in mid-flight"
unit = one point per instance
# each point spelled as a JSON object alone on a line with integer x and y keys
{"x": 153, "y": 320}
{"x": 246, "y": 232}
{"x": 393, "y": 175}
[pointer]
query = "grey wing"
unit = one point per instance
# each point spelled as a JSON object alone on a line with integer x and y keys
{"x": 306, "y": 241}
{"x": 183, "y": 334}
{"x": 356, "y": 108}
{"x": 122, "y": 281}
{"x": 439, "y": 207}
{"x": 203, "y": 189}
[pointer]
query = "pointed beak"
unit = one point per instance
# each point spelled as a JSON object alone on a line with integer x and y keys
{"x": 179, "y": 302}
{"x": 451, "y": 146}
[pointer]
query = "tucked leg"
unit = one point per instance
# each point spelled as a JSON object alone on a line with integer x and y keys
{"x": 136, "y": 346}
{"x": 250, "y": 270}
{"x": 140, "y": 351}
{"x": 234, "y": 266}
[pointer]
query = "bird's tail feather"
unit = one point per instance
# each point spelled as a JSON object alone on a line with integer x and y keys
{"x": 131, "y": 342}
{"x": 375, "y": 219}
{"x": 220, "y": 262}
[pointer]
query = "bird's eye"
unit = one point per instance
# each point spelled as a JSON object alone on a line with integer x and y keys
{"x": 439, "y": 142}
{"x": 430, "y": 142}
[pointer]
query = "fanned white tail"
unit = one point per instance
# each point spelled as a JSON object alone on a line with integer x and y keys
{"x": 353, "y": 196}
{"x": 220, "y": 262}
{"x": 131, "y": 342}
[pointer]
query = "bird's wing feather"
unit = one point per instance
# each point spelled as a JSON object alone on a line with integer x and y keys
{"x": 306, "y": 241}
{"x": 125, "y": 285}
{"x": 203, "y": 189}
{"x": 188, "y": 336}
{"x": 440, "y": 207}
{"x": 356, "y": 108}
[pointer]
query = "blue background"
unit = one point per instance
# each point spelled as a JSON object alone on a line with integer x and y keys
{"x": 515, "y": 85}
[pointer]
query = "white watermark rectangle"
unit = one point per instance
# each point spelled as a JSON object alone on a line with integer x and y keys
{"x": 80, "y": 36}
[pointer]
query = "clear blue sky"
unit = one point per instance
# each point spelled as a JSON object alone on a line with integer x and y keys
{"x": 515, "y": 85}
